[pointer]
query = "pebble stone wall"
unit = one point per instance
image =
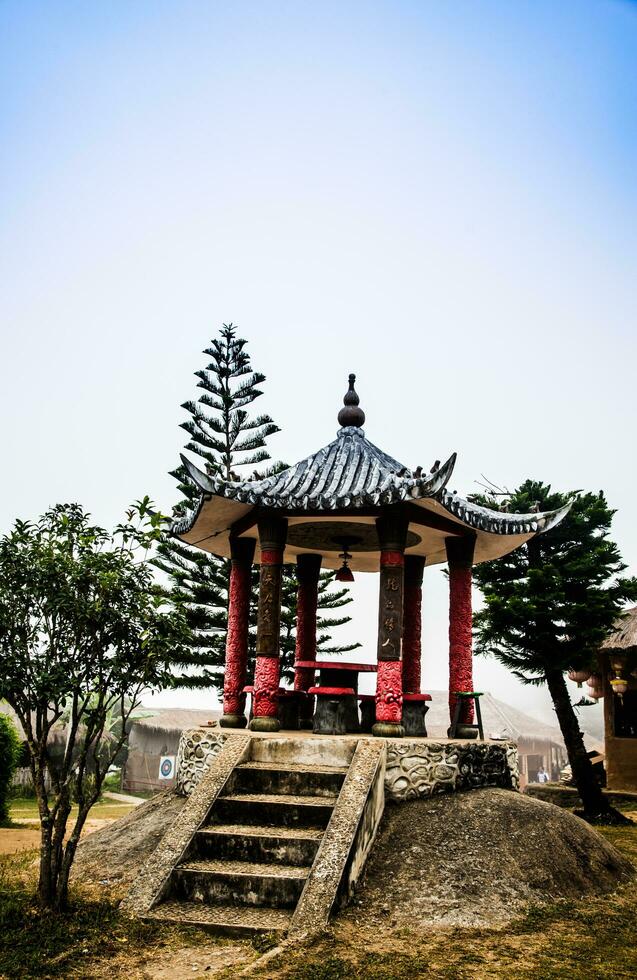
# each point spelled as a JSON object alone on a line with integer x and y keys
{"x": 415, "y": 769}
{"x": 419, "y": 769}
{"x": 197, "y": 748}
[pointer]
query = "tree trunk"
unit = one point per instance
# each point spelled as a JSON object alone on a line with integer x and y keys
{"x": 46, "y": 887}
{"x": 62, "y": 883}
{"x": 590, "y": 791}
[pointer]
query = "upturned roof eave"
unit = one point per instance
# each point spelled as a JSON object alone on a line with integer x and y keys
{"x": 481, "y": 520}
{"x": 497, "y": 522}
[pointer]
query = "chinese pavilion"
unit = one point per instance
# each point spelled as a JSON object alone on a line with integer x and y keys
{"x": 348, "y": 503}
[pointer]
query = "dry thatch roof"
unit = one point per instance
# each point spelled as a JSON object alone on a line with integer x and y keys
{"x": 496, "y": 717}
{"x": 625, "y": 636}
{"x": 56, "y": 735}
{"x": 177, "y": 719}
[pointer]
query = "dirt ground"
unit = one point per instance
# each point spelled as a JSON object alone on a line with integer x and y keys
{"x": 206, "y": 959}
{"x": 115, "y": 855}
{"x": 27, "y": 836}
{"x": 483, "y": 886}
{"x": 479, "y": 858}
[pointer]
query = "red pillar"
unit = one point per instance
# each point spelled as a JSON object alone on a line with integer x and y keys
{"x": 392, "y": 533}
{"x": 308, "y": 569}
{"x": 460, "y": 558}
{"x": 412, "y": 623}
{"x": 242, "y": 553}
{"x": 272, "y": 535}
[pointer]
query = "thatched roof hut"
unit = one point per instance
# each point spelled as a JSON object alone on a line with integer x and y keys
{"x": 154, "y": 736}
{"x": 618, "y": 668}
{"x": 498, "y": 718}
{"x": 624, "y": 637}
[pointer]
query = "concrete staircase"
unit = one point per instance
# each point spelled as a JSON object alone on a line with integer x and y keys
{"x": 247, "y": 864}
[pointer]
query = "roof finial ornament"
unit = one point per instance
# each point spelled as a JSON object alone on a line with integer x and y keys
{"x": 351, "y": 414}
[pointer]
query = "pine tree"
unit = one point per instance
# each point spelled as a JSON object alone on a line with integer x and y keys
{"x": 548, "y": 606}
{"x": 227, "y": 440}
{"x": 328, "y": 599}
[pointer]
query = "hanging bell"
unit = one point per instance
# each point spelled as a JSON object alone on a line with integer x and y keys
{"x": 345, "y": 573}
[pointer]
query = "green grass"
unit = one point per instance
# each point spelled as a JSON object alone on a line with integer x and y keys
{"x": 33, "y": 944}
{"x": 113, "y": 782}
{"x": 48, "y": 945}
{"x": 588, "y": 940}
{"x": 22, "y": 811}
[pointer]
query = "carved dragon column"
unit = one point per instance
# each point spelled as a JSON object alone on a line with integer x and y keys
{"x": 460, "y": 559}
{"x": 308, "y": 570}
{"x": 272, "y": 535}
{"x": 412, "y": 623}
{"x": 242, "y": 554}
{"x": 392, "y": 535}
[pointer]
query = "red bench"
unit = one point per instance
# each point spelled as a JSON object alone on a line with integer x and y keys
{"x": 330, "y": 715}
{"x": 414, "y": 710}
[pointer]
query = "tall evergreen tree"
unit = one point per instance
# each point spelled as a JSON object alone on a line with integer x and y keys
{"x": 548, "y": 606}
{"x": 227, "y": 439}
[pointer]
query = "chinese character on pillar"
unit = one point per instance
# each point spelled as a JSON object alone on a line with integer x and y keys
{"x": 392, "y": 535}
{"x": 236, "y": 665}
{"x": 272, "y": 536}
{"x": 460, "y": 557}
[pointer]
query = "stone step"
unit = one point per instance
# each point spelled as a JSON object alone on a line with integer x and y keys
{"x": 238, "y": 883}
{"x": 229, "y": 920}
{"x": 273, "y": 809}
{"x": 264, "y": 869}
{"x": 319, "y": 750}
{"x": 293, "y": 766}
{"x": 284, "y": 845}
{"x": 290, "y": 780}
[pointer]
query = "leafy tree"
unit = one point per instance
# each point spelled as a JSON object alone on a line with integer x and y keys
{"x": 10, "y": 749}
{"x": 227, "y": 440}
{"x": 83, "y": 631}
{"x": 550, "y": 603}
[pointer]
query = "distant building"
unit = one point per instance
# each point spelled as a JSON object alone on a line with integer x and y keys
{"x": 154, "y": 738}
{"x": 618, "y": 665}
{"x": 539, "y": 745}
{"x": 56, "y": 744}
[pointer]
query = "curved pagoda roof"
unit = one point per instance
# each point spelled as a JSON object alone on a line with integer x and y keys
{"x": 337, "y": 493}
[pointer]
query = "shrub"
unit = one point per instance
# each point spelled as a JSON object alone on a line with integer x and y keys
{"x": 10, "y": 750}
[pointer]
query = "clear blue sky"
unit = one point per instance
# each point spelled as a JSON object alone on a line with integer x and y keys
{"x": 438, "y": 196}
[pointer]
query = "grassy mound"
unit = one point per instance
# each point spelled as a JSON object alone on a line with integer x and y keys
{"x": 478, "y": 858}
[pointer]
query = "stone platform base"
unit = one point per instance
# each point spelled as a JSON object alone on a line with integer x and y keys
{"x": 415, "y": 768}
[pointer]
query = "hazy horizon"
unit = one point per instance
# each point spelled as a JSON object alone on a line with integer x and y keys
{"x": 438, "y": 197}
